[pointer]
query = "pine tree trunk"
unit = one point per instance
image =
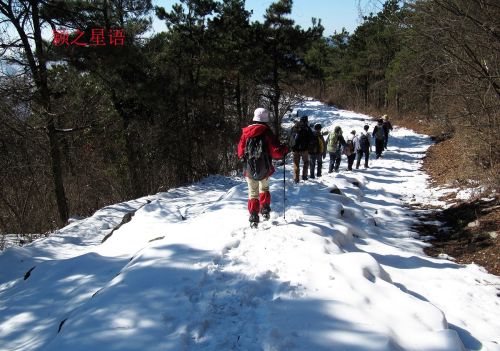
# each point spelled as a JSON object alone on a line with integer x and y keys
{"x": 398, "y": 105}
{"x": 40, "y": 76}
{"x": 135, "y": 182}
{"x": 55, "y": 158}
{"x": 238, "y": 99}
{"x": 365, "y": 94}
{"x": 132, "y": 167}
{"x": 276, "y": 96}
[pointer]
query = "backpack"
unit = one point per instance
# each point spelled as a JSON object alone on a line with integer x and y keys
{"x": 333, "y": 140}
{"x": 299, "y": 138}
{"x": 349, "y": 147}
{"x": 258, "y": 161}
{"x": 294, "y": 137}
{"x": 315, "y": 147}
{"x": 379, "y": 133}
{"x": 364, "y": 142}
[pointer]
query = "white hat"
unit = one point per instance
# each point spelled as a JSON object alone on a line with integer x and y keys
{"x": 261, "y": 115}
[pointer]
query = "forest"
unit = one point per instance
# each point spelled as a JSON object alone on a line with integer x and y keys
{"x": 94, "y": 109}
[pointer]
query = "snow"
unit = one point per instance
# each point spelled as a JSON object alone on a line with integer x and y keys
{"x": 469, "y": 193}
{"x": 337, "y": 272}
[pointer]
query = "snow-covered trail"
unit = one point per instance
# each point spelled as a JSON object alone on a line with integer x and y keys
{"x": 340, "y": 272}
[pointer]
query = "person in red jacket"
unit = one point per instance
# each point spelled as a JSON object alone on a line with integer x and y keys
{"x": 259, "y": 197}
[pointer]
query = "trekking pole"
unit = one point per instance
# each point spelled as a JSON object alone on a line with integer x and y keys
{"x": 284, "y": 184}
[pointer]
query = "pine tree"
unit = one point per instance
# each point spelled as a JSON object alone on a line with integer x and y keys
{"x": 283, "y": 47}
{"x": 27, "y": 52}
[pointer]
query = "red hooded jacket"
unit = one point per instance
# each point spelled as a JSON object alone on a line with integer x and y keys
{"x": 276, "y": 150}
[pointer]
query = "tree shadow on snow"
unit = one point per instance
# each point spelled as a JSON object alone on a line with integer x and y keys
{"x": 412, "y": 262}
{"x": 172, "y": 297}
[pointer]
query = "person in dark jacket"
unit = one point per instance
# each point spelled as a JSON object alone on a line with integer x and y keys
{"x": 379, "y": 136}
{"x": 334, "y": 144}
{"x": 349, "y": 149}
{"x": 387, "y": 128}
{"x": 300, "y": 139}
{"x": 259, "y": 197}
{"x": 317, "y": 151}
{"x": 362, "y": 146}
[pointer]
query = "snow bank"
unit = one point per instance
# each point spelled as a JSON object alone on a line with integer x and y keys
{"x": 339, "y": 272}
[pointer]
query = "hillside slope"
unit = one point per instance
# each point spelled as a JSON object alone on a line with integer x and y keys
{"x": 337, "y": 272}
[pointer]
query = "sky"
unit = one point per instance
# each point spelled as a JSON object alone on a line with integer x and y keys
{"x": 334, "y": 14}
{"x": 328, "y": 271}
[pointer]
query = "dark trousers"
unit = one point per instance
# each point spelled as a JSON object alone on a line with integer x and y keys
{"x": 386, "y": 139}
{"x": 360, "y": 155}
{"x": 315, "y": 159}
{"x": 350, "y": 161}
{"x": 379, "y": 147}
{"x": 334, "y": 161}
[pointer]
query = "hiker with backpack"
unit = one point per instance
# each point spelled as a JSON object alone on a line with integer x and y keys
{"x": 335, "y": 142}
{"x": 387, "y": 127}
{"x": 300, "y": 139}
{"x": 362, "y": 146}
{"x": 349, "y": 150}
{"x": 379, "y": 136}
{"x": 317, "y": 151}
{"x": 257, "y": 146}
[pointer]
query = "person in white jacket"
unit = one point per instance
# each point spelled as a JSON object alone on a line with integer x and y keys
{"x": 362, "y": 147}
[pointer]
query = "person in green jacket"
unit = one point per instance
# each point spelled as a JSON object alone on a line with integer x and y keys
{"x": 335, "y": 142}
{"x": 317, "y": 151}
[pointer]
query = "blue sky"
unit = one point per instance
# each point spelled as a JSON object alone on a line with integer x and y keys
{"x": 334, "y": 14}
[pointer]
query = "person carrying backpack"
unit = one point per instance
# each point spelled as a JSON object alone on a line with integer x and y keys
{"x": 335, "y": 142}
{"x": 349, "y": 149}
{"x": 387, "y": 127}
{"x": 379, "y": 135}
{"x": 362, "y": 146}
{"x": 300, "y": 139}
{"x": 317, "y": 151}
{"x": 257, "y": 146}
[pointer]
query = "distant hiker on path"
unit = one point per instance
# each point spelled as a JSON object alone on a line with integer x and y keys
{"x": 379, "y": 136}
{"x": 387, "y": 127}
{"x": 349, "y": 149}
{"x": 335, "y": 142}
{"x": 300, "y": 139}
{"x": 257, "y": 146}
{"x": 362, "y": 146}
{"x": 317, "y": 151}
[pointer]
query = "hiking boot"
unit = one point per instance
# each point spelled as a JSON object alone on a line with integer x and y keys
{"x": 265, "y": 211}
{"x": 254, "y": 218}
{"x": 304, "y": 177}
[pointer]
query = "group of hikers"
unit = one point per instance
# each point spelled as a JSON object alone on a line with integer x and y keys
{"x": 310, "y": 146}
{"x": 258, "y": 145}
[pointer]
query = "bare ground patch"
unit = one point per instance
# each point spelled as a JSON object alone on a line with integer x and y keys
{"x": 470, "y": 230}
